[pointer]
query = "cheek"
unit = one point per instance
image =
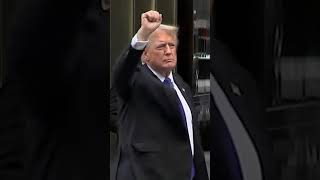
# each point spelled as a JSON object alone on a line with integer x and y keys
{"x": 174, "y": 63}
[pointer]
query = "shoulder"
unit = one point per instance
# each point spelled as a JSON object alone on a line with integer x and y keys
{"x": 178, "y": 79}
{"x": 130, "y": 51}
{"x": 180, "y": 82}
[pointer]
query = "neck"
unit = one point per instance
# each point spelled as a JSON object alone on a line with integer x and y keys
{"x": 166, "y": 74}
{"x": 162, "y": 73}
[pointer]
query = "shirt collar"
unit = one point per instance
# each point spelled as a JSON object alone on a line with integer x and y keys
{"x": 160, "y": 76}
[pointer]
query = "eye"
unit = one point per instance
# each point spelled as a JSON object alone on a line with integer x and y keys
{"x": 171, "y": 45}
{"x": 161, "y": 46}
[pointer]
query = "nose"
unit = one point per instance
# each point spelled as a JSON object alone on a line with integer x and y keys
{"x": 167, "y": 49}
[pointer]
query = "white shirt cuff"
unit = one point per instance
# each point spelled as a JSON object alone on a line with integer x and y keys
{"x": 138, "y": 45}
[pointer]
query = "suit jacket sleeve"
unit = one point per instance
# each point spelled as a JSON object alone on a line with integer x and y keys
{"x": 114, "y": 109}
{"x": 123, "y": 72}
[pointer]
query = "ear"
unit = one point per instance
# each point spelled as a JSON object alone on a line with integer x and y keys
{"x": 145, "y": 56}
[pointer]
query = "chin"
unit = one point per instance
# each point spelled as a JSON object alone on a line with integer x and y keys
{"x": 170, "y": 66}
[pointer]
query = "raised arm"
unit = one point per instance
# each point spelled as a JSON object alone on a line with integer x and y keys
{"x": 124, "y": 69}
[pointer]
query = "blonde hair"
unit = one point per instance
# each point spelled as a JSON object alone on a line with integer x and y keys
{"x": 173, "y": 30}
{"x": 170, "y": 29}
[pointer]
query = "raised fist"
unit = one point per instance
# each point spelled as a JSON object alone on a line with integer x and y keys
{"x": 150, "y": 21}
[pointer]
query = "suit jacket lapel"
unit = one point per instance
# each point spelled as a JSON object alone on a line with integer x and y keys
{"x": 183, "y": 89}
{"x": 168, "y": 99}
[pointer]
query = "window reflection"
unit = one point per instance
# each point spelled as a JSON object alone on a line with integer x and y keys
{"x": 201, "y": 71}
{"x": 201, "y": 39}
{"x": 296, "y": 51}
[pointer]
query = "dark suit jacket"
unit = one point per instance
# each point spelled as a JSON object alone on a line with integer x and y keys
{"x": 154, "y": 144}
{"x": 57, "y": 54}
{"x": 113, "y": 130}
{"x": 247, "y": 103}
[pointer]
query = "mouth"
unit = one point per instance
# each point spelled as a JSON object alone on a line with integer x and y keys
{"x": 168, "y": 60}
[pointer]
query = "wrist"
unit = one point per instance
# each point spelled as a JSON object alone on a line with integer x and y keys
{"x": 143, "y": 35}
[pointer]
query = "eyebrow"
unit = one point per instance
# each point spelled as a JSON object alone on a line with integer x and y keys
{"x": 165, "y": 42}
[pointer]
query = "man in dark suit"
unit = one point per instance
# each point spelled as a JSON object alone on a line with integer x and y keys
{"x": 158, "y": 135}
{"x": 241, "y": 148}
{"x": 57, "y": 55}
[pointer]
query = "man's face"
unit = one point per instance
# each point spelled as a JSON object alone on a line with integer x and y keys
{"x": 161, "y": 52}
